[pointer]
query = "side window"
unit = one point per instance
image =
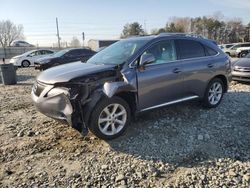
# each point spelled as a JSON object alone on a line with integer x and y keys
{"x": 163, "y": 52}
{"x": 190, "y": 49}
{"x": 210, "y": 51}
{"x": 246, "y": 45}
{"x": 45, "y": 52}
{"x": 74, "y": 52}
{"x": 35, "y": 53}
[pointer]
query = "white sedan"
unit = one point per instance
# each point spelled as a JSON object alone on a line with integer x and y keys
{"x": 28, "y": 58}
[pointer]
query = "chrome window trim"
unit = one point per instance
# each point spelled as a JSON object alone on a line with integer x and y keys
{"x": 171, "y": 102}
{"x": 195, "y": 58}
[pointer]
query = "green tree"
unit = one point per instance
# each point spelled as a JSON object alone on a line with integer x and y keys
{"x": 132, "y": 29}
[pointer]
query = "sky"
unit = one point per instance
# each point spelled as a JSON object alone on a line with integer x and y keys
{"x": 104, "y": 19}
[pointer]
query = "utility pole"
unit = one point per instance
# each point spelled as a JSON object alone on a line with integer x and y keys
{"x": 83, "y": 38}
{"x": 145, "y": 27}
{"x": 58, "y": 36}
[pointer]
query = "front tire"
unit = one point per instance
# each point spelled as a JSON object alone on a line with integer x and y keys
{"x": 25, "y": 63}
{"x": 110, "y": 118}
{"x": 214, "y": 93}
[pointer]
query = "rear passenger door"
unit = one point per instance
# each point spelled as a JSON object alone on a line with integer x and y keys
{"x": 197, "y": 65}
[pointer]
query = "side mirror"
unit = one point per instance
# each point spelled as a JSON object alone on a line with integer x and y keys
{"x": 147, "y": 59}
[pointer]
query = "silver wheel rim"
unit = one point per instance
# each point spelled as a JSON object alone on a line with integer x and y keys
{"x": 112, "y": 119}
{"x": 26, "y": 64}
{"x": 215, "y": 93}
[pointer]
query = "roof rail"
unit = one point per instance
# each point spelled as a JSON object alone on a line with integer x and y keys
{"x": 182, "y": 34}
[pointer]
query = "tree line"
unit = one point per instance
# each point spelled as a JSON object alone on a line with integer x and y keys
{"x": 213, "y": 27}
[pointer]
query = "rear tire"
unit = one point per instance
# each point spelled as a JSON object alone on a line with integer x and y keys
{"x": 243, "y": 54}
{"x": 25, "y": 63}
{"x": 214, "y": 93}
{"x": 110, "y": 118}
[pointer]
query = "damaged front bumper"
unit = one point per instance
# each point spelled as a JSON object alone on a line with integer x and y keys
{"x": 52, "y": 102}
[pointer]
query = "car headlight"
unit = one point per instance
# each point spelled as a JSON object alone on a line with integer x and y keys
{"x": 57, "y": 91}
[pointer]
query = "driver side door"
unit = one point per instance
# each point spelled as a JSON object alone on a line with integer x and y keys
{"x": 159, "y": 82}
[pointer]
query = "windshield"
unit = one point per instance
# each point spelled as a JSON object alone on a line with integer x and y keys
{"x": 119, "y": 52}
{"x": 61, "y": 53}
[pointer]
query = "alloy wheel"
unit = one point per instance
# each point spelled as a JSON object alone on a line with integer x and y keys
{"x": 112, "y": 119}
{"x": 215, "y": 93}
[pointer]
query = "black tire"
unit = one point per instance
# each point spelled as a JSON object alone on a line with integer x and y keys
{"x": 206, "y": 102}
{"x": 243, "y": 54}
{"x": 25, "y": 63}
{"x": 97, "y": 112}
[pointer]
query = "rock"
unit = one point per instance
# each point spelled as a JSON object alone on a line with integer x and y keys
{"x": 200, "y": 137}
{"x": 37, "y": 133}
{"x": 30, "y": 133}
{"x": 123, "y": 186}
{"x": 104, "y": 167}
{"x": 8, "y": 171}
{"x": 232, "y": 173}
{"x": 120, "y": 177}
{"x": 246, "y": 178}
{"x": 21, "y": 133}
{"x": 76, "y": 175}
{"x": 207, "y": 136}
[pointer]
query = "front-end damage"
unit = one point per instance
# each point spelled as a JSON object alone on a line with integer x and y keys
{"x": 74, "y": 101}
{"x": 85, "y": 101}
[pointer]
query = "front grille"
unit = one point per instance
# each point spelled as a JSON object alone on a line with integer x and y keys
{"x": 38, "y": 88}
{"x": 243, "y": 78}
{"x": 242, "y": 69}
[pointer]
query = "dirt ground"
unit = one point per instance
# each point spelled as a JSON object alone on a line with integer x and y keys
{"x": 179, "y": 146}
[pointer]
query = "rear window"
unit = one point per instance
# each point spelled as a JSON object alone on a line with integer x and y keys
{"x": 210, "y": 51}
{"x": 190, "y": 49}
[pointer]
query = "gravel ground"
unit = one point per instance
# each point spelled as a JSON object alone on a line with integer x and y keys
{"x": 178, "y": 146}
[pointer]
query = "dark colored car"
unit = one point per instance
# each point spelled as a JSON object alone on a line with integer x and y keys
{"x": 132, "y": 76}
{"x": 63, "y": 57}
{"x": 241, "y": 69}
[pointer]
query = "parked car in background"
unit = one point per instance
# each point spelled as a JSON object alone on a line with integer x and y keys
{"x": 21, "y": 43}
{"x": 28, "y": 58}
{"x": 225, "y": 46}
{"x": 241, "y": 69}
{"x": 242, "y": 51}
{"x": 232, "y": 51}
{"x": 131, "y": 76}
{"x": 63, "y": 57}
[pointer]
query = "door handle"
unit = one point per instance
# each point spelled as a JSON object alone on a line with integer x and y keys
{"x": 176, "y": 70}
{"x": 210, "y": 65}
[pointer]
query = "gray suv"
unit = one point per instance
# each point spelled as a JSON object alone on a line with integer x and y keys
{"x": 132, "y": 76}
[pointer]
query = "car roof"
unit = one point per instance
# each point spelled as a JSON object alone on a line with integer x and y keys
{"x": 188, "y": 36}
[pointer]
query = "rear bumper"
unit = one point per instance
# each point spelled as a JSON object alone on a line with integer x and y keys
{"x": 241, "y": 76}
{"x": 56, "y": 106}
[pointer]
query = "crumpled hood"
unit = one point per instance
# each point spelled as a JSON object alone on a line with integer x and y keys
{"x": 243, "y": 62}
{"x": 68, "y": 72}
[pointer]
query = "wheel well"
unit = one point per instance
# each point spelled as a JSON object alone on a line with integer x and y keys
{"x": 130, "y": 98}
{"x": 224, "y": 80}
